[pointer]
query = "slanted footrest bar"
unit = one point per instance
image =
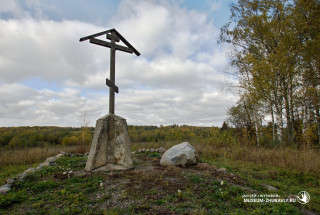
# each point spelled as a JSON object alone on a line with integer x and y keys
{"x": 112, "y": 85}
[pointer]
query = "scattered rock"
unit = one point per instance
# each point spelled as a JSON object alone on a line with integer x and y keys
{"x": 182, "y": 154}
{"x": 52, "y": 163}
{"x": 60, "y": 155}
{"x": 10, "y": 181}
{"x": 152, "y": 150}
{"x": 204, "y": 166}
{"x": 139, "y": 150}
{"x": 161, "y": 150}
{"x": 21, "y": 176}
{"x": 5, "y": 188}
{"x": 30, "y": 170}
{"x": 143, "y": 150}
{"x": 42, "y": 165}
{"x": 147, "y": 150}
{"x": 269, "y": 187}
{"x": 221, "y": 170}
{"x": 51, "y": 159}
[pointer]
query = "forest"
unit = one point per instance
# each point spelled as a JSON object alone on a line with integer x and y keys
{"x": 276, "y": 56}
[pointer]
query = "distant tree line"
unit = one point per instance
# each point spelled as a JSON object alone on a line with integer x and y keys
{"x": 276, "y": 53}
{"x": 20, "y": 137}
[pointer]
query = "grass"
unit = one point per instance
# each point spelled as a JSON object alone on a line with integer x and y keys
{"x": 13, "y": 162}
{"x": 288, "y": 182}
{"x": 152, "y": 189}
{"x": 305, "y": 160}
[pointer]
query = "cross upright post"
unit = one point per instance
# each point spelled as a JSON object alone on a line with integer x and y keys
{"x": 114, "y": 36}
{"x": 113, "y": 39}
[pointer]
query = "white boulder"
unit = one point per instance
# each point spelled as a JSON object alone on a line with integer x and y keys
{"x": 183, "y": 154}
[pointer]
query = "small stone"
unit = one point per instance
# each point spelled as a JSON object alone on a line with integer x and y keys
{"x": 161, "y": 150}
{"x": 152, "y": 150}
{"x": 222, "y": 170}
{"x": 52, "y": 163}
{"x": 60, "y": 155}
{"x": 143, "y": 150}
{"x": 51, "y": 159}
{"x": 269, "y": 187}
{"x": 30, "y": 170}
{"x": 5, "y": 189}
{"x": 204, "y": 166}
{"x": 139, "y": 150}
{"x": 42, "y": 165}
{"x": 21, "y": 176}
{"x": 147, "y": 150}
{"x": 10, "y": 181}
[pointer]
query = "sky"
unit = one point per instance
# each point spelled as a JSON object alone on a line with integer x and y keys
{"x": 49, "y": 78}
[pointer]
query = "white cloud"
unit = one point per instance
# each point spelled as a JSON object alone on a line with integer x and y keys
{"x": 177, "y": 79}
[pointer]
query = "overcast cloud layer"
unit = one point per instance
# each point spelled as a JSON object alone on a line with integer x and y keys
{"x": 49, "y": 78}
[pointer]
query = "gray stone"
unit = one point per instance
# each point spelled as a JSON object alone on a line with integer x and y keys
{"x": 143, "y": 150}
{"x": 182, "y": 154}
{"x": 51, "y": 159}
{"x": 10, "y": 181}
{"x": 40, "y": 167}
{"x": 21, "y": 176}
{"x": 30, "y": 170}
{"x": 5, "y": 188}
{"x": 222, "y": 170}
{"x": 110, "y": 146}
{"x": 161, "y": 150}
{"x": 60, "y": 155}
{"x": 152, "y": 150}
{"x": 52, "y": 163}
{"x": 269, "y": 187}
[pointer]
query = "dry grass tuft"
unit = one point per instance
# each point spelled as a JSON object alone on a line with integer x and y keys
{"x": 307, "y": 160}
{"x": 31, "y": 155}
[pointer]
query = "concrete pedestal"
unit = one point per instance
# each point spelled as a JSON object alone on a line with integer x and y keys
{"x": 110, "y": 148}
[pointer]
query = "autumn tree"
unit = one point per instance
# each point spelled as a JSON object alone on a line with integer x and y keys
{"x": 270, "y": 40}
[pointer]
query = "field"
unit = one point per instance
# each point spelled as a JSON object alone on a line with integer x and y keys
{"x": 152, "y": 189}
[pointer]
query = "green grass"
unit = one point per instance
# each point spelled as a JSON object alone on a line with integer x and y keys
{"x": 57, "y": 190}
{"x": 9, "y": 171}
{"x": 288, "y": 182}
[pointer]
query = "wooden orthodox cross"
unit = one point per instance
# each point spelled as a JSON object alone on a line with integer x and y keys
{"x": 114, "y": 36}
